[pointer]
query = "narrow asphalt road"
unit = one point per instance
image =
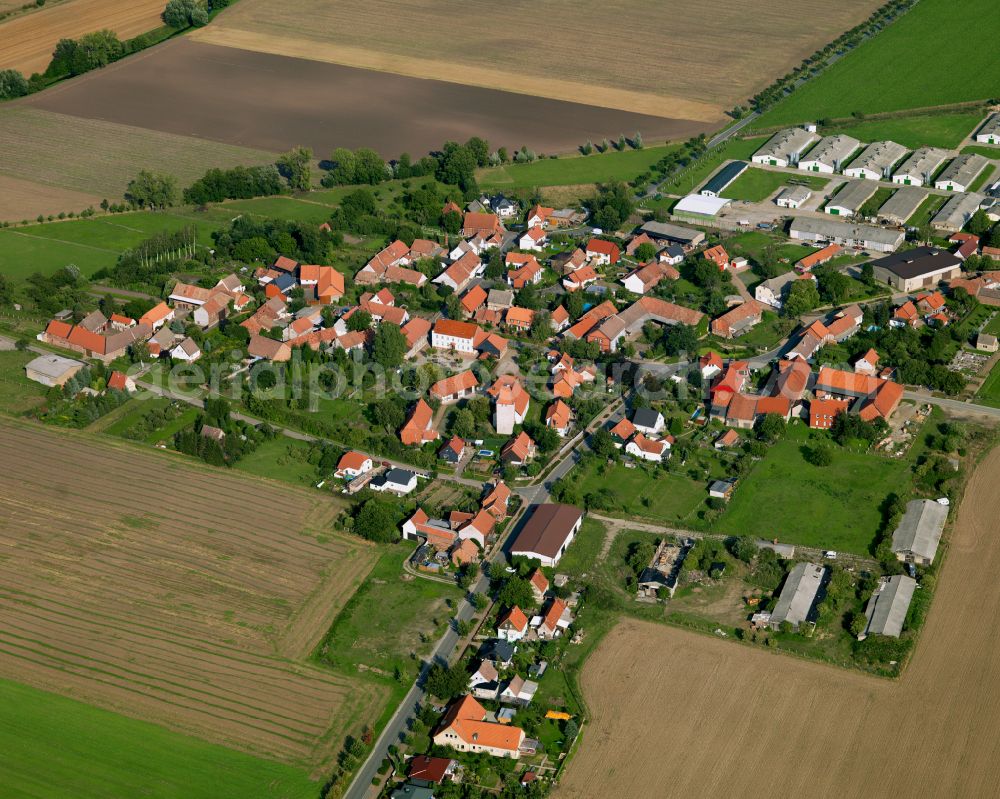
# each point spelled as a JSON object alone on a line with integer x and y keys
{"x": 361, "y": 787}
{"x": 957, "y": 406}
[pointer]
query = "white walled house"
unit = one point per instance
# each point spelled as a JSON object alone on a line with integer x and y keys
{"x": 876, "y": 161}
{"x": 989, "y": 133}
{"x": 648, "y": 449}
{"x": 830, "y": 155}
{"x": 792, "y": 197}
{"x": 919, "y": 168}
{"x": 784, "y": 148}
{"x": 534, "y": 239}
{"x": 961, "y": 172}
{"x": 448, "y": 334}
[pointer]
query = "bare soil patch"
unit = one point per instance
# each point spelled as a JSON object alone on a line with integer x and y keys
{"x": 177, "y": 594}
{"x": 25, "y": 199}
{"x": 27, "y": 42}
{"x": 274, "y": 102}
{"x": 688, "y": 59}
{"x": 94, "y": 157}
{"x": 716, "y": 717}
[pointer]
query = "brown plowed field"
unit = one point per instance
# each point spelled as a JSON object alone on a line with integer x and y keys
{"x": 679, "y": 714}
{"x": 24, "y": 199}
{"x": 688, "y": 59}
{"x": 273, "y": 102}
{"x": 173, "y": 593}
{"x": 27, "y": 42}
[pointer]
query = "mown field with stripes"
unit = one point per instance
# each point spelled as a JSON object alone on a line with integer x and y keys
{"x": 176, "y": 594}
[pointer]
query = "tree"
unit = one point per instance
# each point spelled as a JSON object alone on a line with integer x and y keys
{"x": 819, "y": 455}
{"x": 602, "y": 443}
{"x": 151, "y": 190}
{"x": 451, "y": 222}
{"x": 678, "y": 339}
{"x": 369, "y": 166}
{"x": 388, "y": 413}
{"x": 645, "y": 252}
{"x": 360, "y": 320}
{"x": 802, "y": 298}
{"x": 979, "y": 223}
{"x": 495, "y": 267}
{"x": 294, "y": 167}
{"x": 639, "y": 555}
{"x": 376, "y": 521}
{"x": 446, "y": 682}
{"x": 868, "y": 274}
{"x": 181, "y": 14}
{"x": 389, "y": 346}
{"x": 463, "y": 423}
{"x": 834, "y": 285}
{"x": 771, "y": 427}
{"x": 742, "y": 548}
{"x": 12, "y": 84}
{"x": 516, "y": 591}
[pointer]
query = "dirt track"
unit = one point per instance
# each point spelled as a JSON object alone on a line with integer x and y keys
{"x": 679, "y": 714}
{"x": 275, "y": 102}
{"x": 181, "y": 595}
{"x": 27, "y": 42}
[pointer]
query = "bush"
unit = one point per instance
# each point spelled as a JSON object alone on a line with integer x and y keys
{"x": 12, "y": 84}
{"x": 182, "y": 14}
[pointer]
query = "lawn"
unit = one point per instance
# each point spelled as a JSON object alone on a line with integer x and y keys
{"x": 752, "y": 244}
{"x": 983, "y": 149}
{"x": 282, "y": 208}
{"x": 17, "y": 393}
{"x": 281, "y": 458}
{"x": 574, "y": 170}
{"x": 911, "y": 64}
{"x": 832, "y": 507}
{"x": 89, "y": 244}
{"x": 695, "y": 174}
{"x": 927, "y": 211}
{"x": 57, "y": 747}
{"x": 985, "y": 177}
{"x": 922, "y": 130}
{"x": 584, "y": 550}
{"x": 390, "y": 622}
{"x": 759, "y": 184}
{"x": 132, "y": 413}
{"x": 648, "y": 492}
{"x": 989, "y": 392}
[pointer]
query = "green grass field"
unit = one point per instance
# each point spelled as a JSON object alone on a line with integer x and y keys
{"x": 913, "y": 63}
{"x": 685, "y": 182}
{"x": 833, "y": 507}
{"x": 986, "y": 176}
{"x": 283, "y": 208}
{"x": 59, "y": 748}
{"x": 570, "y": 171}
{"x": 90, "y": 244}
{"x": 281, "y": 458}
{"x": 17, "y": 393}
{"x": 927, "y": 210}
{"x": 654, "y": 494}
{"x": 989, "y": 392}
{"x": 751, "y": 245}
{"x": 983, "y": 149}
{"x": 922, "y": 130}
{"x": 759, "y": 184}
{"x": 387, "y": 618}
{"x": 584, "y": 550}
